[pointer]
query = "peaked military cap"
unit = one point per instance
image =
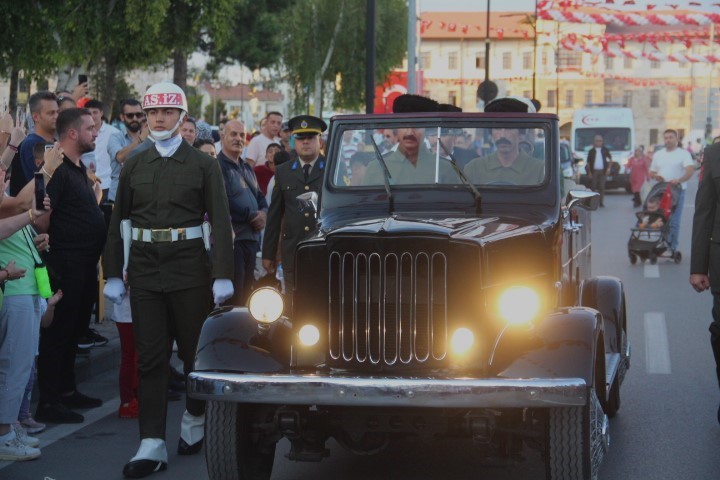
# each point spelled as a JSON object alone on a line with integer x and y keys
{"x": 513, "y": 104}
{"x": 409, "y": 103}
{"x": 307, "y": 124}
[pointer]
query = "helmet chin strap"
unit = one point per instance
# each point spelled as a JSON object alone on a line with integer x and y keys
{"x": 165, "y": 134}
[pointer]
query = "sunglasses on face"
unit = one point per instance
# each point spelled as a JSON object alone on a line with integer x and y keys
{"x": 137, "y": 115}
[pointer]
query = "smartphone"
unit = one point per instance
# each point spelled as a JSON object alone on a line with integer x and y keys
{"x": 39, "y": 190}
{"x": 82, "y": 79}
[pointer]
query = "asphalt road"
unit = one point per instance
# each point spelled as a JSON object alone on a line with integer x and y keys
{"x": 666, "y": 428}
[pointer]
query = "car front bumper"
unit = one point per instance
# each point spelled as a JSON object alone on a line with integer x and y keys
{"x": 433, "y": 392}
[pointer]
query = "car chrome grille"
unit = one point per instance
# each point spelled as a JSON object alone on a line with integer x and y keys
{"x": 387, "y": 309}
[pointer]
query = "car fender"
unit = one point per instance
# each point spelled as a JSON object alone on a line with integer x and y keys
{"x": 231, "y": 340}
{"x": 606, "y": 295}
{"x": 562, "y": 345}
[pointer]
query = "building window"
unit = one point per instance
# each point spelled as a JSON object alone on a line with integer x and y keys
{"x": 480, "y": 61}
{"x": 544, "y": 59}
{"x": 507, "y": 60}
{"x": 653, "y": 136}
{"x": 682, "y": 97}
{"x": 681, "y": 134}
{"x": 588, "y": 97}
{"x": 628, "y": 63}
{"x": 551, "y": 98}
{"x": 654, "y": 64}
{"x": 527, "y": 61}
{"x": 570, "y": 59}
{"x": 608, "y": 96}
{"x": 452, "y": 61}
{"x": 609, "y": 63}
{"x": 527, "y": 94}
{"x": 569, "y": 98}
{"x": 452, "y": 97}
{"x": 425, "y": 62}
{"x": 654, "y": 98}
{"x": 627, "y": 98}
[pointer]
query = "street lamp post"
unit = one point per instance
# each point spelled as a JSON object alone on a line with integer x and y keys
{"x": 215, "y": 87}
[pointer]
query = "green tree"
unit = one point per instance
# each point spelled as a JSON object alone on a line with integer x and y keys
{"x": 217, "y": 110}
{"x": 336, "y": 30}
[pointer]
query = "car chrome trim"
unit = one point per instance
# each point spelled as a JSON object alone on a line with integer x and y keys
{"x": 387, "y": 392}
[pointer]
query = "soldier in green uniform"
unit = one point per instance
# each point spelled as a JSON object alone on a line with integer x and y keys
{"x": 164, "y": 192}
{"x": 304, "y": 174}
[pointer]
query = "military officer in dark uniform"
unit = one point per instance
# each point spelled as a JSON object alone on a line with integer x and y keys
{"x": 163, "y": 193}
{"x": 304, "y": 174}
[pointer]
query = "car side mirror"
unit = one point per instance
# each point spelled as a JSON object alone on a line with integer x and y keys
{"x": 308, "y": 203}
{"x": 584, "y": 199}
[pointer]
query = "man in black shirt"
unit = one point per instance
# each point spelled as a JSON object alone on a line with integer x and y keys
{"x": 77, "y": 229}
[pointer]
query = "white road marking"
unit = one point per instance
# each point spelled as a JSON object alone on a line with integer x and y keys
{"x": 651, "y": 271}
{"x": 657, "y": 348}
{"x": 53, "y": 434}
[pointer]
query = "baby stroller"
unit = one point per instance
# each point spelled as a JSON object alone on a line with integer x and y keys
{"x": 649, "y": 238}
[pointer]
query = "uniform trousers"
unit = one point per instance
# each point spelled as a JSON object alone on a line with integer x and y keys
{"x": 157, "y": 317}
{"x": 77, "y": 278}
{"x": 715, "y": 333}
{"x": 597, "y": 184}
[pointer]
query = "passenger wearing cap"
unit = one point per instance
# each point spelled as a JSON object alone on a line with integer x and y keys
{"x": 304, "y": 174}
{"x": 163, "y": 194}
{"x": 257, "y": 147}
{"x": 412, "y": 162}
{"x": 508, "y": 164}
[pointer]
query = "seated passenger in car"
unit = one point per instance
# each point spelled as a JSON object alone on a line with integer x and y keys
{"x": 508, "y": 164}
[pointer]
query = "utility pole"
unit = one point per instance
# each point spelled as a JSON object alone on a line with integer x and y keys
{"x": 535, "y": 38}
{"x": 370, "y": 57}
{"x": 487, "y": 45}
{"x": 412, "y": 21}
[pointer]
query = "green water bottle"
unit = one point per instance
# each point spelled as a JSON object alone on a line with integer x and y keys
{"x": 43, "y": 280}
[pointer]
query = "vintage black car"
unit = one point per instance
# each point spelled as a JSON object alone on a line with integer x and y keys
{"x": 450, "y": 297}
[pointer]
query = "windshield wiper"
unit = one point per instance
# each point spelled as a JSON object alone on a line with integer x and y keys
{"x": 476, "y": 194}
{"x": 386, "y": 177}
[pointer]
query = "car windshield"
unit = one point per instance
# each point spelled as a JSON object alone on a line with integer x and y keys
{"x": 504, "y": 156}
{"x": 615, "y": 138}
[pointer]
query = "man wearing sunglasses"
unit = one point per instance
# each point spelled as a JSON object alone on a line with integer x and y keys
{"x": 121, "y": 146}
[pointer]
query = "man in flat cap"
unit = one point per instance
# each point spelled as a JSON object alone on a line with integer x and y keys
{"x": 304, "y": 174}
{"x": 413, "y": 162}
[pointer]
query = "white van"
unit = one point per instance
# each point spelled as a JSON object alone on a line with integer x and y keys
{"x": 617, "y": 128}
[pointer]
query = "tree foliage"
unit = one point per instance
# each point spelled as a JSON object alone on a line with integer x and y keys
{"x": 314, "y": 23}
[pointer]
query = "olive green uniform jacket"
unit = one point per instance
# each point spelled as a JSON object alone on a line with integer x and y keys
{"x": 284, "y": 216}
{"x": 175, "y": 192}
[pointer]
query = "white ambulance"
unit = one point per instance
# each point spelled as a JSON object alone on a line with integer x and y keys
{"x": 617, "y": 128}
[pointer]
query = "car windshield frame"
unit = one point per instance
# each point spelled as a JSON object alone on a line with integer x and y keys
{"x": 526, "y": 132}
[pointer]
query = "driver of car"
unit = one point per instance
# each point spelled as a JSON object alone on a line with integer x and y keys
{"x": 508, "y": 164}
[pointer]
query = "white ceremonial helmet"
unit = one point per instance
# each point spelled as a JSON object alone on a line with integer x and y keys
{"x": 165, "y": 95}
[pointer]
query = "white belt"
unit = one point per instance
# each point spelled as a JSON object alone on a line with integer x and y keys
{"x": 155, "y": 235}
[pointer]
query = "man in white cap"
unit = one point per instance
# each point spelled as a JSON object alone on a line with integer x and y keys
{"x": 163, "y": 193}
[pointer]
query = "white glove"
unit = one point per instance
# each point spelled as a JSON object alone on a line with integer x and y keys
{"x": 114, "y": 290}
{"x": 222, "y": 290}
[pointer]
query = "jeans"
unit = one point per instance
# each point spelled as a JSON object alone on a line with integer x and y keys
{"x": 245, "y": 253}
{"x": 675, "y": 221}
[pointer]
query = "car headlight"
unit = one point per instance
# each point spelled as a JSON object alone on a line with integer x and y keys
{"x": 309, "y": 335}
{"x": 461, "y": 341}
{"x": 265, "y": 305}
{"x": 519, "y": 305}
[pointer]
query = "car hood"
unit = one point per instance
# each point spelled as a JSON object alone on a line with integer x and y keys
{"x": 483, "y": 229}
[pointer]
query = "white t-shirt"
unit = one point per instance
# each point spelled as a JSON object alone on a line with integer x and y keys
{"x": 257, "y": 148}
{"x": 598, "y": 159}
{"x": 103, "y": 169}
{"x": 671, "y": 165}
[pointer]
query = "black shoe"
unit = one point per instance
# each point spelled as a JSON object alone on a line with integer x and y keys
{"x": 186, "y": 449}
{"x": 143, "y": 468}
{"x": 78, "y": 400}
{"x": 173, "y": 396}
{"x": 98, "y": 340}
{"x": 57, "y": 413}
{"x": 85, "y": 342}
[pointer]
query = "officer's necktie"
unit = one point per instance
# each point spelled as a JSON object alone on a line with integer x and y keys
{"x": 306, "y": 171}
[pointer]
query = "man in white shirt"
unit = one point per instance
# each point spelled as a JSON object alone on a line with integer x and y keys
{"x": 674, "y": 165}
{"x": 257, "y": 147}
{"x": 103, "y": 168}
{"x": 598, "y": 166}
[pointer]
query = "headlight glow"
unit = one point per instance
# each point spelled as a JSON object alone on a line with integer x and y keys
{"x": 309, "y": 335}
{"x": 462, "y": 340}
{"x": 519, "y": 305}
{"x": 265, "y": 305}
